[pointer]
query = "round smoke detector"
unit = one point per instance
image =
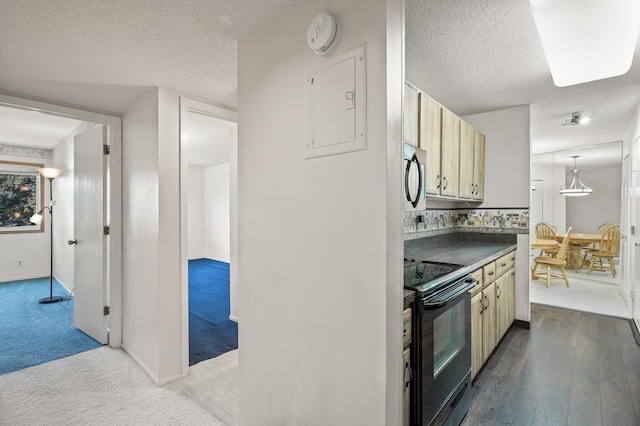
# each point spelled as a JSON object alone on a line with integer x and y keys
{"x": 322, "y": 34}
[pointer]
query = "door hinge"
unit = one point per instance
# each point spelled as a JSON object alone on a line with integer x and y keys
{"x": 106, "y": 149}
{"x": 633, "y": 295}
{"x": 106, "y": 310}
{"x": 106, "y": 230}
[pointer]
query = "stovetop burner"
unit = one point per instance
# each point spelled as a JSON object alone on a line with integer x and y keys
{"x": 424, "y": 276}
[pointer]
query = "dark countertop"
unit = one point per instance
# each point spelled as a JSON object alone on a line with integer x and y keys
{"x": 464, "y": 248}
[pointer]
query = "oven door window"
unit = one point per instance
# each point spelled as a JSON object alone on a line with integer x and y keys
{"x": 448, "y": 336}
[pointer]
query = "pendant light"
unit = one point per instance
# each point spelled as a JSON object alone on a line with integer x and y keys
{"x": 577, "y": 188}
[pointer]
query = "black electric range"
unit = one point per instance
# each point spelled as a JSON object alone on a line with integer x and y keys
{"x": 428, "y": 277}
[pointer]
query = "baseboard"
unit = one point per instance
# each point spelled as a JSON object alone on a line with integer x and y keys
{"x": 140, "y": 364}
{"x": 522, "y": 324}
{"x": 22, "y": 278}
{"x": 233, "y": 318}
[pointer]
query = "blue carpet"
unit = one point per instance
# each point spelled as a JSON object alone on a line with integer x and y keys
{"x": 33, "y": 334}
{"x": 211, "y": 332}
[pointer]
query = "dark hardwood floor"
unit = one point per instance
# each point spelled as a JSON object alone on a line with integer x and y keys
{"x": 570, "y": 368}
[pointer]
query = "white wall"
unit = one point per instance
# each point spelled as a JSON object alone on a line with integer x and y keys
{"x": 140, "y": 233}
{"x": 507, "y": 179}
{"x": 217, "y": 212}
{"x": 554, "y": 204}
{"x": 320, "y": 248}
{"x": 31, "y": 248}
{"x": 585, "y": 214}
{"x": 209, "y": 213}
{"x": 507, "y": 156}
{"x": 196, "y": 211}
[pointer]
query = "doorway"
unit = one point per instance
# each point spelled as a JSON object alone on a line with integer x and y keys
{"x": 208, "y": 187}
{"x": 110, "y": 250}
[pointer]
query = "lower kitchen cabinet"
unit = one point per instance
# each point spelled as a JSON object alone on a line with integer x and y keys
{"x": 406, "y": 361}
{"x": 477, "y": 308}
{"x": 505, "y": 302}
{"x": 489, "y": 331}
{"x": 492, "y": 309}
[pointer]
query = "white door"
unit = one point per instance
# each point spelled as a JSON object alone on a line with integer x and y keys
{"x": 89, "y": 219}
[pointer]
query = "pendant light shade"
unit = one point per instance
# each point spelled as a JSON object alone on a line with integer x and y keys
{"x": 577, "y": 188}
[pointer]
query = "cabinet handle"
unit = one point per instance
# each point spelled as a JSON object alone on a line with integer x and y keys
{"x": 513, "y": 272}
{"x": 404, "y": 332}
{"x": 445, "y": 182}
{"x": 407, "y": 382}
{"x": 498, "y": 294}
{"x": 491, "y": 273}
{"x": 503, "y": 264}
{"x": 439, "y": 181}
{"x": 487, "y": 299}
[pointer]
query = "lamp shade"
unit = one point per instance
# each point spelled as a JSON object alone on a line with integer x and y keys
{"x": 49, "y": 172}
{"x": 36, "y": 218}
{"x": 587, "y": 40}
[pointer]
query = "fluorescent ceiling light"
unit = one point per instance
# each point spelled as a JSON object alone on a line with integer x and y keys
{"x": 587, "y": 40}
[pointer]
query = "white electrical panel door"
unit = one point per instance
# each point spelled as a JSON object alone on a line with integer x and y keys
{"x": 335, "y": 116}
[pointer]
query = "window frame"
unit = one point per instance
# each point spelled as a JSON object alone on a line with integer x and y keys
{"x": 25, "y": 168}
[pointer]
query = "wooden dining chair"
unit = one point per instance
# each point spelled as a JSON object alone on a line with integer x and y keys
{"x": 609, "y": 248}
{"x": 549, "y": 263}
{"x": 546, "y": 231}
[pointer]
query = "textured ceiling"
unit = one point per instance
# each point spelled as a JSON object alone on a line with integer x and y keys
{"x": 472, "y": 56}
{"x": 479, "y": 56}
{"x": 102, "y": 54}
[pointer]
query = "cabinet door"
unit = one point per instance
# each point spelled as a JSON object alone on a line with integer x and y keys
{"x": 467, "y": 144}
{"x": 478, "y": 165}
{"x": 430, "y": 141}
{"x": 410, "y": 115}
{"x": 406, "y": 393}
{"x": 489, "y": 321}
{"x": 511, "y": 284}
{"x": 502, "y": 306}
{"x": 477, "y": 356}
{"x": 450, "y": 155}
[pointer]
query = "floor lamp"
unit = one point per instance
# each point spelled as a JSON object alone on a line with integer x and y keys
{"x": 51, "y": 174}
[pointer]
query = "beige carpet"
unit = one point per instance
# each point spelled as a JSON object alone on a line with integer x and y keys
{"x": 100, "y": 387}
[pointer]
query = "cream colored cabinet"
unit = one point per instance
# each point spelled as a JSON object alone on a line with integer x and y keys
{"x": 489, "y": 331}
{"x": 406, "y": 393}
{"x": 492, "y": 308}
{"x": 472, "y": 148}
{"x": 406, "y": 357}
{"x": 478, "y": 165}
{"x": 467, "y": 145}
{"x": 410, "y": 114}
{"x": 477, "y": 309}
{"x": 430, "y": 140}
{"x": 450, "y": 153}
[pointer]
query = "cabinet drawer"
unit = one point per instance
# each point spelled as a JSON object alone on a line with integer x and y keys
{"x": 489, "y": 273}
{"x": 503, "y": 264}
{"x": 478, "y": 276}
{"x": 406, "y": 329}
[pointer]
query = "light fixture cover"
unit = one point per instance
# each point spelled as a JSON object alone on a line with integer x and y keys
{"x": 49, "y": 172}
{"x": 587, "y": 40}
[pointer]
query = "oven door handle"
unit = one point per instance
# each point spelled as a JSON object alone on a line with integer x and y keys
{"x": 439, "y": 302}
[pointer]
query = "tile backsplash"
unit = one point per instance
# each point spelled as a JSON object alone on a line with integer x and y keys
{"x": 426, "y": 223}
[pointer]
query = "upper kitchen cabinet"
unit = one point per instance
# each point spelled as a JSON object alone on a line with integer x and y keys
{"x": 410, "y": 114}
{"x": 471, "y": 162}
{"x": 478, "y": 165}
{"x": 430, "y": 137}
{"x": 454, "y": 167}
{"x": 450, "y": 153}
